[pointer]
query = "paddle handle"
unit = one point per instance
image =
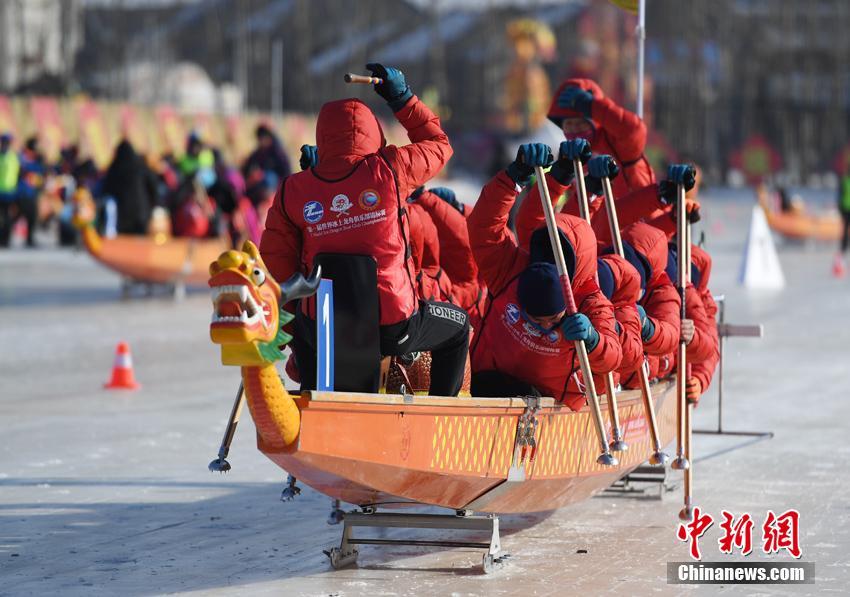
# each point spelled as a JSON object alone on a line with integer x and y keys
{"x": 681, "y": 462}
{"x": 613, "y": 221}
{"x": 581, "y": 350}
{"x": 581, "y": 190}
{"x": 364, "y": 79}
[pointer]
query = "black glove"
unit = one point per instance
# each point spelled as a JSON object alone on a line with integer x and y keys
{"x": 528, "y": 156}
{"x": 394, "y": 89}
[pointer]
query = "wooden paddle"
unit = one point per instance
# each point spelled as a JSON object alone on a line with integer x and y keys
{"x": 617, "y": 443}
{"x": 658, "y": 456}
{"x": 605, "y": 457}
{"x": 681, "y": 462}
{"x": 687, "y": 511}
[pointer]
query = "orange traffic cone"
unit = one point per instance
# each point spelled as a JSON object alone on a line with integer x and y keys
{"x": 838, "y": 269}
{"x": 122, "y": 370}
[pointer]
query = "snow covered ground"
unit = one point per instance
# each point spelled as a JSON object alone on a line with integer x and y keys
{"x": 105, "y": 493}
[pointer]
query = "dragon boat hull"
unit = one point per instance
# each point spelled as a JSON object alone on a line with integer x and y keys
{"x": 461, "y": 453}
{"x": 800, "y": 226}
{"x": 146, "y": 259}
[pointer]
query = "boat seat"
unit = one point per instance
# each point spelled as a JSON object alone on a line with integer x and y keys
{"x": 357, "y": 342}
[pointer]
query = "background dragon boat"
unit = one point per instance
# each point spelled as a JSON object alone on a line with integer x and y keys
{"x": 153, "y": 259}
{"x": 799, "y": 224}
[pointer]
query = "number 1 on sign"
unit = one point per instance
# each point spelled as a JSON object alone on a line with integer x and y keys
{"x": 324, "y": 338}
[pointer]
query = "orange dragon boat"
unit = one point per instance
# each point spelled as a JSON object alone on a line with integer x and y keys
{"x": 487, "y": 455}
{"x": 798, "y": 224}
{"x": 152, "y": 259}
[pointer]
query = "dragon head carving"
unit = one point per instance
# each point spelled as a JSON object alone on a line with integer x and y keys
{"x": 247, "y": 318}
{"x": 248, "y": 315}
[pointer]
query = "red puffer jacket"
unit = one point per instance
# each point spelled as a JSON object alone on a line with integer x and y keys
{"x": 505, "y": 341}
{"x": 456, "y": 259}
{"x": 704, "y": 370}
{"x": 432, "y": 283}
{"x": 626, "y": 295}
{"x": 661, "y": 300}
{"x": 618, "y": 132}
{"x": 642, "y": 204}
{"x": 353, "y": 200}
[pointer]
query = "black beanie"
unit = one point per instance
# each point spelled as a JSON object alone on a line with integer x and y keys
{"x": 539, "y": 290}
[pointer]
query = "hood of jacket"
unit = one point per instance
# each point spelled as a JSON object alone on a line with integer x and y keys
{"x": 651, "y": 244}
{"x": 701, "y": 261}
{"x": 346, "y": 132}
{"x": 626, "y": 280}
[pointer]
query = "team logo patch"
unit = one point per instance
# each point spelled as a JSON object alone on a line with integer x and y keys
{"x": 369, "y": 200}
{"x": 313, "y": 212}
{"x": 554, "y": 337}
{"x": 341, "y": 204}
{"x": 531, "y": 329}
{"x": 512, "y": 313}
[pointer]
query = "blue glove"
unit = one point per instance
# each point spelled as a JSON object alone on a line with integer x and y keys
{"x": 394, "y": 89}
{"x": 309, "y": 156}
{"x": 602, "y": 166}
{"x": 647, "y": 328}
{"x": 593, "y": 186}
{"x": 578, "y": 327}
{"x": 677, "y": 174}
{"x": 448, "y": 195}
{"x": 576, "y": 98}
{"x": 563, "y": 170}
{"x": 528, "y": 156}
{"x": 683, "y": 174}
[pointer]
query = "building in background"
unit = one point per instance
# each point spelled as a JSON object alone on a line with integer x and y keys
{"x": 39, "y": 40}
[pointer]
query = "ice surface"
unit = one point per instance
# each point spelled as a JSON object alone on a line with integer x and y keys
{"x": 104, "y": 493}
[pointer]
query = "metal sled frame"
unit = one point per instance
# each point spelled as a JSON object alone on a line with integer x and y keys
{"x": 728, "y": 330}
{"x": 346, "y": 554}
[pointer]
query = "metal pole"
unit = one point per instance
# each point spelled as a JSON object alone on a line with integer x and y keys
{"x": 641, "y": 37}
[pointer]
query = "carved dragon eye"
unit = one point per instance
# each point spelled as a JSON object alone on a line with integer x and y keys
{"x": 259, "y": 276}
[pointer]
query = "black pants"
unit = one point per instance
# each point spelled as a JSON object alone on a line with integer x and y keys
{"x": 495, "y": 384}
{"x": 5, "y": 222}
{"x": 845, "y": 236}
{"x": 441, "y": 328}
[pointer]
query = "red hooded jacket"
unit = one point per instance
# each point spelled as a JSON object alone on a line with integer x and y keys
{"x": 353, "y": 201}
{"x": 704, "y": 369}
{"x": 626, "y": 294}
{"x": 456, "y": 259}
{"x": 661, "y": 300}
{"x": 505, "y": 341}
{"x": 617, "y": 132}
{"x": 641, "y": 204}
{"x": 432, "y": 282}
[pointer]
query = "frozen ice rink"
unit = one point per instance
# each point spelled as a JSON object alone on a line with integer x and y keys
{"x": 105, "y": 493}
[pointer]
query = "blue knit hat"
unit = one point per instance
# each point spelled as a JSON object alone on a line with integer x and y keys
{"x": 639, "y": 262}
{"x": 539, "y": 290}
{"x": 606, "y": 278}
